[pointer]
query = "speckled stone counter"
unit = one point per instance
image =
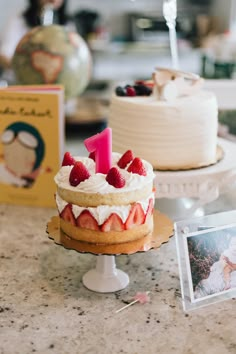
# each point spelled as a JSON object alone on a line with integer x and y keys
{"x": 44, "y": 307}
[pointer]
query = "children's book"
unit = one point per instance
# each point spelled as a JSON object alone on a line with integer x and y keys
{"x": 31, "y": 143}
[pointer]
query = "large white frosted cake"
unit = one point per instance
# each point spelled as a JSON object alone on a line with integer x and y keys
{"x": 175, "y": 127}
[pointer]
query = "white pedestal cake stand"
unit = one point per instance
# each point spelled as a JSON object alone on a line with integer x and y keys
{"x": 105, "y": 277}
{"x": 196, "y": 187}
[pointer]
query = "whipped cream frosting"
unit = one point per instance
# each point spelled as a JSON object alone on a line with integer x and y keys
{"x": 97, "y": 183}
{"x": 102, "y": 212}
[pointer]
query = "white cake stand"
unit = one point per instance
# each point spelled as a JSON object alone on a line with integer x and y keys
{"x": 105, "y": 277}
{"x": 196, "y": 187}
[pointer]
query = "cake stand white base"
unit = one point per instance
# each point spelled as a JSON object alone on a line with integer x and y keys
{"x": 105, "y": 278}
{"x": 180, "y": 208}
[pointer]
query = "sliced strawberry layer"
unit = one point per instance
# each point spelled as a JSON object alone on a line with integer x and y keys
{"x": 113, "y": 223}
{"x": 67, "y": 214}
{"x": 136, "y": 217}
{"x": 149, "y": 209}
{"x": 87, "y": 221}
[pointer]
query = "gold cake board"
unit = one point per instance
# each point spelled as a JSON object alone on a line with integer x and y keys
{"x": 163, "y": 230}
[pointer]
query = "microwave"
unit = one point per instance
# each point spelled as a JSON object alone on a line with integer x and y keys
{"x": 148, "y": 28}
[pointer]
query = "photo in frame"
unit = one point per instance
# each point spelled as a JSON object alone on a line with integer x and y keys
{"x": 206, "y": 249}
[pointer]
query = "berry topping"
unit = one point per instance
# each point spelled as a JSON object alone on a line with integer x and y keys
{"x": 87, "y": 221}
{"x": 113, "y": 222}
{"x": 126, "y": 158}
{"x": 79, "y": 173}
{"x": 136, "y": 217}
{"x": 139, "y": 82}
{"x": 68, "y": 159}
{"x": 149, "y": 83}
{"x": 115, "y": 178}
{"x": 137, "y": 166}
{"x": 130, "y": 91}
{"x": 92, "y": 155}
{"x": 142, "y": 90}
{"x": 120, "y": 91}
{"x": 67, "y": 214}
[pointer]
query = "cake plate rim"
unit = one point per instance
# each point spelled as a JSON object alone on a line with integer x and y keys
{"x": 163, "y": 230}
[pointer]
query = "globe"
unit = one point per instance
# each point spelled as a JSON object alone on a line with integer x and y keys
{"x": 53, "y": 55}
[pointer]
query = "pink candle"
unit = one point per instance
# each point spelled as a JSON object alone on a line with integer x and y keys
{"x": 101, "y": 143}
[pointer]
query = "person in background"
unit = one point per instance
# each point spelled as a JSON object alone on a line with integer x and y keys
{"x": 19, "y": 25}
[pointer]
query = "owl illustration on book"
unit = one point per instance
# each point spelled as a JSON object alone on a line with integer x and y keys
{"x": 23, "y": 153}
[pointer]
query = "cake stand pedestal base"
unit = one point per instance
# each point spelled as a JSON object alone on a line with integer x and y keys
{"x": 180, "y": 208}
{"x": 105, "y": 278}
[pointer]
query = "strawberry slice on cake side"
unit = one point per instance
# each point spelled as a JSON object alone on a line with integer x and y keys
{"x": 136, "y": 217}
{"x": 67, "y": 214}
{"x": 150, "y": 209}
{"x": 113, "y": 223}
{"x": 87, "y": 221}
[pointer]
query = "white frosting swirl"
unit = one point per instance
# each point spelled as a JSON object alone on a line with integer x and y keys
{"x": 97, "y": 183}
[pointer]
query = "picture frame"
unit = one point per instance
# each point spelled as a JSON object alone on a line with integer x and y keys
{"x": 206, "y": 251}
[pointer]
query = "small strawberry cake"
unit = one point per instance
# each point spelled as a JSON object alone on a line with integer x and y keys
{"x": 108, "y": 209}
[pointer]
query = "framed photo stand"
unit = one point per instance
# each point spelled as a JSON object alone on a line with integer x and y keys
{"x": 206, "y": 249}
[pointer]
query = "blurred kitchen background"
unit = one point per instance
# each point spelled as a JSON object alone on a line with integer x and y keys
{"x": 129, "y": 38}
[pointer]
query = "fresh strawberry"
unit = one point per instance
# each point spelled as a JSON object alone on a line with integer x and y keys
{"x": 67, "y": 214}
{"x": 92, "y": 155}
{"x": 126, "y": 158}
{"x": 79, "y": 173}
{"x": 130, "y": 91}
{"x": 87, "y": 221}
{"x": 136, "y": 217}
{"x": 113, "y": 223}
{"x": 149, "y": 209}
{"x": 115, "y": 178}
{"x": 68, "y": 159}
{"x": 148, "y": 83}
{"x": 137, "y": 166}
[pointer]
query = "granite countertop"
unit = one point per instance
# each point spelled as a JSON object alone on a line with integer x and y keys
{"x": 44, "y": 307}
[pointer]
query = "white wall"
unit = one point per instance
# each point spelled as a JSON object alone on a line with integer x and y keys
{"x": 7, "y": 7}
